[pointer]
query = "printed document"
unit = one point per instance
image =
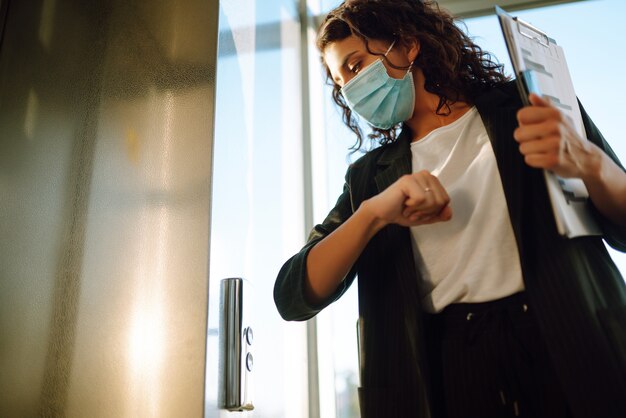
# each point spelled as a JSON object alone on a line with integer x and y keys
{"x": 540, "y": 67}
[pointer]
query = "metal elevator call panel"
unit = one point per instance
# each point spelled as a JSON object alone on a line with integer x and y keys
{"x": 236, "y": 342}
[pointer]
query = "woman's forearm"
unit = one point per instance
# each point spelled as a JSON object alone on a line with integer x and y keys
{"x": 606, "y": 184}
{"x": 330, "y": 260}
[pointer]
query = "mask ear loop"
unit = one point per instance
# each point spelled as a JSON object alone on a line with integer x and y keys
{"x": 389, "y": 49}
{"x": 408, "y": 70}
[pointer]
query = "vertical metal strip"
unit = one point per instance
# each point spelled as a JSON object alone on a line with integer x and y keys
{"x": 4, "y": 8}
{"x": 305, "y": 22}
{"x": 213, "y": 28}
{"x": 68, "y": 280}
{"x": 307, "y": 168}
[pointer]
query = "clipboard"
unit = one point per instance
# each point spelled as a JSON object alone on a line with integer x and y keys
{"x": 540, "y": 67}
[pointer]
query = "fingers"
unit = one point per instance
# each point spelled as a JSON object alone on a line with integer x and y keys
{"x": 538, "y": 114}
{"x": 540, "y": 131}
{"x": 541, "y": 144}
{"x": 537, "y": 100}
{"x": 412, "y": 200}
{"x": 547, "y": 139}
{"x": 427, "y": 197}
{"x": 530, "y": 132}
{"x": 426, "y": 190}
{"x": 550, "y": 144}
{"x": 547, "y": 161}
{"x": 437, "y": 193}
{"x": 419, "y": 218}
{"x": 444, "y": 215}
{"x": 417, "y": 190}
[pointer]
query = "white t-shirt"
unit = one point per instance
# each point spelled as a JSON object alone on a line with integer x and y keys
{"x": 473, "y": 257}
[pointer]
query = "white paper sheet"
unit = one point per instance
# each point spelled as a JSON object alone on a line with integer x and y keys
{"x": 531, "y": 49}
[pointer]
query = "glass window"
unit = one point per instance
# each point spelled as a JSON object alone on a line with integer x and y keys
{"x": 336, "y": 325}
{"x": 257, "y": 213}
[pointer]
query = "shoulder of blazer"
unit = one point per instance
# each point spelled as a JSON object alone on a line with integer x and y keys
{"x": 505, "y": 95}
{"x": 385, "y": 154}
{"x": 389, "y": 161}
{"x": 373, "y": 157}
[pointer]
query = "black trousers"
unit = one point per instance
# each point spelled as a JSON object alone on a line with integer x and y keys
{"x": 489, "y": 360}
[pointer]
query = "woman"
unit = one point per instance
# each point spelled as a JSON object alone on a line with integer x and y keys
{"x": 472, "y": 305}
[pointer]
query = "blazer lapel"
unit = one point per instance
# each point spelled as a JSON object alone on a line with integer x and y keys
{"x": 498, "y": 110}
{"x": 394, "y": 162}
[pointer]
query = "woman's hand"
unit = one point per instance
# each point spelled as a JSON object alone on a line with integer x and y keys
{"x": 414, "y": 199}
{"x": 547, "y": 140}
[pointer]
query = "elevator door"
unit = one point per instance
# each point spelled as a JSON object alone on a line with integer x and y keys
{"x": 106, "y": 125}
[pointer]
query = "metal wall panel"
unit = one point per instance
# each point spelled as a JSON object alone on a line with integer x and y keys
{"x": 106, "y": 124}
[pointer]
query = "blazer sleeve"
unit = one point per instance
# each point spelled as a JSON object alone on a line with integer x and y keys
{"x": 289, "y": 286}
{"x": 614, "y": 234}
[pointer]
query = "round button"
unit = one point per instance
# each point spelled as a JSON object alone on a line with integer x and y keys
{"x": 249, "y": 362}
{"x": 249, "y": 335}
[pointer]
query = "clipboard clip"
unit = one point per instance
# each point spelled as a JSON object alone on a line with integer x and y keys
{"x": 531, "y": 32}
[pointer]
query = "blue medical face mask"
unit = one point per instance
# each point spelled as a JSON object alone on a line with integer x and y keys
{"x": 381, "y": 100}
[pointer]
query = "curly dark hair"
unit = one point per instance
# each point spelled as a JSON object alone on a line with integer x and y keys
{"x": 454, "y": 67}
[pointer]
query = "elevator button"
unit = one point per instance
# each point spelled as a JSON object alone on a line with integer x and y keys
{"x": 249, "y": 362}
{"x": 249, "y": 335}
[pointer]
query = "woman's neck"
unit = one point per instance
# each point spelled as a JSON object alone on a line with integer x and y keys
{"x": 425, "y": 118}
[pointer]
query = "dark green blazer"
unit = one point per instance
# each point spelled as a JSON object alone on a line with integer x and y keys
{"x": 573, "y": 286}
